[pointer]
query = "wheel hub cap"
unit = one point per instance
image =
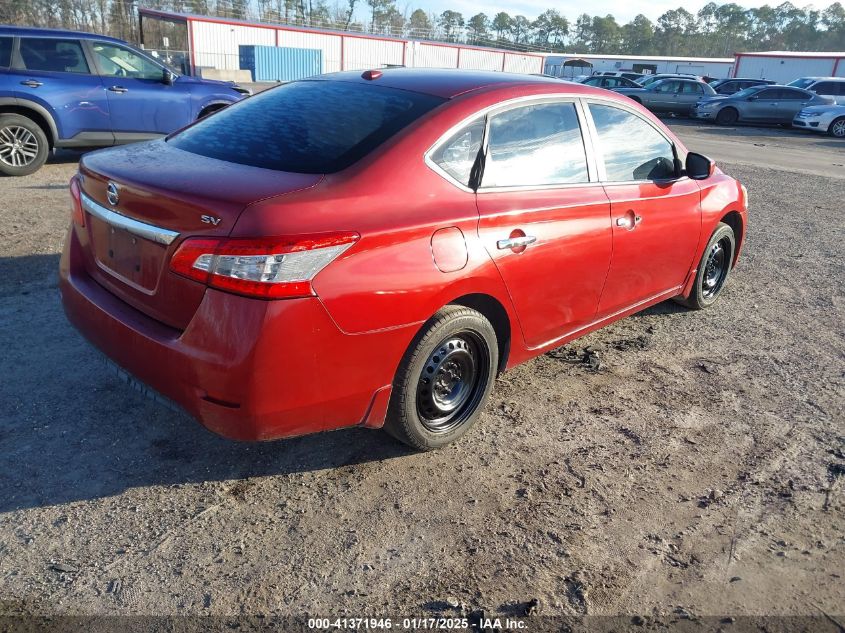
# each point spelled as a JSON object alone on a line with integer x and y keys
{"x": 18, "y": 146}
{"x": 451, "y": 382}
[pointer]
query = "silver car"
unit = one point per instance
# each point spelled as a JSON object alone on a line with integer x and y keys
{"x": 830, "y": 119}
{"x": 758, "y": 104}
{"x": 670, "y": 95}
{"x": 833, "y": 87}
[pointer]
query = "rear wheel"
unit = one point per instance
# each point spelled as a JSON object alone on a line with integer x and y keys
{"x": 727, "y": 116}
{"x": 837, "y": 128}
{"x": 713, "y": 269}
{"x": 444, "y": 380}
{"x": 23, "y": 145}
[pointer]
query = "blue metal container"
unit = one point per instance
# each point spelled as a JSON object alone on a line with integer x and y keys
{"x": 278, "y": 63}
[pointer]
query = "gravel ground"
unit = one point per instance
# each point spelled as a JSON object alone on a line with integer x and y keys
{"x": 697, "y": 472}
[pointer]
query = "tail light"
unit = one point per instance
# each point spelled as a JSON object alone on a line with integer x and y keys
{"x": 76, "y": 213}
{"x": 270, "y": 268}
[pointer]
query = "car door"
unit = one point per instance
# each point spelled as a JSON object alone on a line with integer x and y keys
{"x": 689, "y": 94}
{"x": 662, "y": 95}
{"x": 656, "y": 214}
{"x": 543, "y": 217}
{"x": 762, "y": 106}
{"x": 56, "y": 74}
{"x": 790, "y": 102}
{"x": 141, "y": 103}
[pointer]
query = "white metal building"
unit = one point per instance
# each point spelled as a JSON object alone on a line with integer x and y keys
{"x": 784, "y": 66}
{"x": 717, "y": 67}
{"x": 210, "y": 42}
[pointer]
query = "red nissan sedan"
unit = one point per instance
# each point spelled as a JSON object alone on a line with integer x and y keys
{"x": 373, "y": 249}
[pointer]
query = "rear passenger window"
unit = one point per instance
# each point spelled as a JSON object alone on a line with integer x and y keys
{"x": 688, "y": 87}
{"x": 632, "y": 149}
{"x": 457, "y": 154}
{"x": 5, "y": 52}
{"x": 771, "y": 95}
{"x": 535, "y": 145}
{"x": 792, "y": 95}
{"x": 63, "y": 56}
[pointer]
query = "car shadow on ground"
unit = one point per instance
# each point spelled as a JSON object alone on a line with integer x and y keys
{"x": 71, "y": 431}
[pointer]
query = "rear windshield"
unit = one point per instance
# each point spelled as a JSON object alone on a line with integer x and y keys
{"x": 307, "y": 127}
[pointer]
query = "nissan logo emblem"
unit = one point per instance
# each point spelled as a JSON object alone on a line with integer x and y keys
{"x": 112, "y": 194}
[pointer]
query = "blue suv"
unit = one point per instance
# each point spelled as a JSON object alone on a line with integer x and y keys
{"x": 62, "y": 89}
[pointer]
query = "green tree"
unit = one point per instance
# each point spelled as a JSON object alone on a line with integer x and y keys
{"x": 550, "y": 28}
{"x": 451, "y": 22}
{"x": 520, "y": 29}
{"x": 478, "y": 28}
{"x": 419, "y": 25}
{"x": 638, "y": 35}
{"x": 502, "y": 24}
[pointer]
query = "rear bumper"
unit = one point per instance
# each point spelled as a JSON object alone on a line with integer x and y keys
{"x": 247, "y": 369}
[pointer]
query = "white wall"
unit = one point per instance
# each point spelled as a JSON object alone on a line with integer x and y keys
{"x": 361, "y": 53}
{"x": 519, "y": 63}
{"x": 216, "y": 45}
{"x": 433, "y": 56}
{"x": 480, "y": 60}
{"x": 329, "y": 44}
{"x": 784, "y": 69}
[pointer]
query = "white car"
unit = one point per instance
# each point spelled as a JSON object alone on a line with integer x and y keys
{"x": 824, "y": 118}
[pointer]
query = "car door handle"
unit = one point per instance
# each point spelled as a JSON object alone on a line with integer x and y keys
{"x": 31, "y": 83}
{"x": 629, "y": 221}
{"x": 119, "y": 89}
{"x": 515, "y": 242}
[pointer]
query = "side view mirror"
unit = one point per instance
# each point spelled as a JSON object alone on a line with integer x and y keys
{"x": 166, "y": 77}
{"x": 753, "y": 98}
{"x": 699, "y": 167}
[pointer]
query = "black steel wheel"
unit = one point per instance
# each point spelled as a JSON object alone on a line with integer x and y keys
{"x": 713, "y": 269}
{"x": 444, "y": 379}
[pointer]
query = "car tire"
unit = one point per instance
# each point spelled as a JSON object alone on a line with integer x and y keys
{"x": 713, "y": 269}
{"x": 837, "y": 127}
{"x": 727, "y": 116}
{"x": 23, "y": 145}
{"x": 444, "y": 379}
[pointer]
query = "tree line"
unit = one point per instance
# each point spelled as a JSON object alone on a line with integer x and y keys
{"x": 715, "y": 30}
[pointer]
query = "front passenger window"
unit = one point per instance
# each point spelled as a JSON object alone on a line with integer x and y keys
{"x": 631, "y": 147}
{"x": 117, "y": 61}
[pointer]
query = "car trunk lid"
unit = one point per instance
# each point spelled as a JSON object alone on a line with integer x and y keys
{"x": 141, "y": 201}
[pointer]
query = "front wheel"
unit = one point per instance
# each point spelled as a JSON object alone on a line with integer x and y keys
{"x": 837, "y": 128}
{"x": 23, "y": 145}
{"x": 713, "y": 269}
{"x": 444, "y": 380}
{"x": 727, "y": 116}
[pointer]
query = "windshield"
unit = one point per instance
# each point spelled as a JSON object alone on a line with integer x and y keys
{"x": 306, "y": 127}
{"x": 801, "y": 83}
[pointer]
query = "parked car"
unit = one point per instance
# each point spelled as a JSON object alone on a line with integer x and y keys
{"x": 647, "y": 80}
{"x": 373, "y": 249}
{"x": 833, "y": 87}
{"x": 732, "y": 86}
{"x": 63, "y": 89}
{"x": 670, "y": 95}
{"x": 609, "y": 82}
{"x": 827, "y": 118}
{"x": 759, "y": 104}
{"x": 627, "y": 74}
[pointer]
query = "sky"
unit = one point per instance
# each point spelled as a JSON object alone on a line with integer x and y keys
{"x": 623, "y": 10}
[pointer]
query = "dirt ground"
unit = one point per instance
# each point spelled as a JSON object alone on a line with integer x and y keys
{"x": 698, "y": 472}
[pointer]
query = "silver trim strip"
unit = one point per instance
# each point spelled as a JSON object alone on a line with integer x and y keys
{"x": 141, "y": 229}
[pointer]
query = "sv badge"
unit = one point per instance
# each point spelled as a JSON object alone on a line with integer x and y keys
{"x": 210, "y": 219}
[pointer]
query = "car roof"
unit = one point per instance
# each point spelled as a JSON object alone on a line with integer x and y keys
{"x": 29, "y": 31}
{"x": 823, "y": 78}
{"x": 450, "y": 83}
